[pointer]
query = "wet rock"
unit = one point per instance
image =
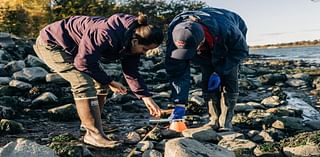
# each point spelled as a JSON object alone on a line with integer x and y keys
{"x": 296, "y": 83}
{"x": 302, "y": 151}
{"x": 25, "y": 148}
{"x": 10, "y": 127}
{"x": 263, "y": 136}
{"x": 14, "y": 66}
{"x": 272, "y": 101}
{"x": 12, "y": 102}
{"x": 185, "y": 147}
{"x": 44, "y": 99}
{"x": 246, "y": 107}
{"x": 314, "y": 124}
{"x": 145, "y": 145}
{"x": 4, "y": 57}
{"x": 20, "y": 85}
{"x": 202, "y": 134}
{"x": 66, "y": 112}
{"x": 5, "y": 80}
{"x": 152, "y": 153}
{"x": 302, "y": 76}
{"x": 247, "y": 84}
{"x": 33, "y": 61}
{"x": 132, "y": 138}
{"x": 3, "y": 71}
{"x": 198, "y": 100}
{"x": 6, "y": 40}
{"x": 31, "y": 74}
{"x": 289, "y": 123}
{"x": 230, "y": 135}
{"x": 271, "y": 79}
{"x": 6, "y": 112}
{"x": 240, "y": 147}
{"x": 316, "y": 83}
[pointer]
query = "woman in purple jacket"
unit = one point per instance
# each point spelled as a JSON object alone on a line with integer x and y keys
{"x": 73, "y": 47}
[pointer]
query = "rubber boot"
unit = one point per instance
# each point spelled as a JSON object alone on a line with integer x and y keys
{"x": 89, "y": 114}
{"x": 213, "y": 102}
{"x": 228, "y": 103}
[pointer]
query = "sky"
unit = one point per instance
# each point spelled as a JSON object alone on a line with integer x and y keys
{"x": 275, "y": 21}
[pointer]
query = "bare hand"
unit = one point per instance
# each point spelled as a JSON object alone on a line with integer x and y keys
{"x": 153, "y": 108}
{"x": 117, "y": 88}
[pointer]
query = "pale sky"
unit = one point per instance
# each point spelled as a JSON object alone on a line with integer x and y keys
{"x": 276, "y": 21}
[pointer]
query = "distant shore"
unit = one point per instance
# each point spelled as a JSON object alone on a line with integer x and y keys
{"x": 287, "y": 45}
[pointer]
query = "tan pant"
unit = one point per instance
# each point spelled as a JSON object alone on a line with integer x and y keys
{"x": 82, "y": 85}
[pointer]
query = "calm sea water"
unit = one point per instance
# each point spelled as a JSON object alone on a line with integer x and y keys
{"x": 309, "y": 54}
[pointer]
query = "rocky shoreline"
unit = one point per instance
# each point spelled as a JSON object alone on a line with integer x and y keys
{"x": 277, "y": 113}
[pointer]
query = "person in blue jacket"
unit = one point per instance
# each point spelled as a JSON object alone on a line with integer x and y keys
{"x": 216, "y": 40}
{"x": 73, "y": 47}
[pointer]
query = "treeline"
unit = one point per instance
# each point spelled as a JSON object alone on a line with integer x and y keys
{"x": 291, "y": 44}
{"x": 25, "y": 18}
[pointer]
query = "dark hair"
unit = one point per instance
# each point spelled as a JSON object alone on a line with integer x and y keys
{"x": 147, "y": 34}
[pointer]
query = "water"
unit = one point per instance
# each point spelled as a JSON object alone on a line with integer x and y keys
{"x": 309, "y": 54}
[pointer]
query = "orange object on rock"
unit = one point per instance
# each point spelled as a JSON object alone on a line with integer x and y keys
{"x": 178, "y": 125}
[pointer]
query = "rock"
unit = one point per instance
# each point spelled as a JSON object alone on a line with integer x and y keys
{"x": 263, "y": 136}
{"x": 230, "y": 135}
{"x": 202, "y": 134}
{"x": 272, "y": 101}
{"x": 185, "y": 147}
{"x": 10, "y": 126}
{"x": 26, "y": 148}
{"x": 6, "y": 112}
{"x": 3, "y": 71}
{"x": 243, "y": 107}
{"x": 240, "y": 147}
{"x": 14, "y": 66}
{"x": 316, "y": 83}
{"x": 5, "y": 80}
{"x": 6, "y": 40}
{"x": 132, "y": 138}
{"x": 55, "y": 78}
{"x": 31, "y": 74}
{"x": 302, "y": 151}
{"x": 271, "y": 79}
{"x": 161, "y": 87}
{"x": 33, "y": 61}
{"x": 268, "y": 150}
{"x": 145, "y": 145}
{"x": 314, "y": 124}
{"x": 247, "y": 84}
{"x": 20, "y": 85}
{"x": 66, "y": 112}
{"x": 289, "y": 123}
{"x": 4, "y": 56}
{"x": 302, "y": 76}
{"x": 147, "y": 65}
{"x": 44, "y": 98}
{"x": 198, "y": 100}
{"x": 152, "y": 153}
{"x": 296, "y": 82}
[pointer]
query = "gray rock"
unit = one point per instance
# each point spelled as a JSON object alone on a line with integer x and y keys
{"x": 302, "y": 76}
{"x": 147, "y": 65}
{"x": 20, "y": 85}
{"x": 262, "y": 136}
{"x": 6, "y": 40}
{"x": 10, "y": 126}
{"x": 240, "y": 147}
{"x": 152, "y": 153}
{"x": 272, "y": 101}
{"x": 230, "y": 135}
{"x": 197, "y": 99}
{"x": 302, "y": 151}
{"x": 33, "y": 61}
{"x": 5, "y": 80}
{"x": 316, "y": 83}
{"x": 3, "y": 71}
{"x": 31, "y": 74}
{"x": 55, "y": 78}
{"x": 145, "y": 145}
{"x": 4, "y": 56}
{"x": 202, "y": 134}
{"x": 44, "y": 98}
{"x": 66, "y": 112}
{"x": 15, "y": 66}
{"x": 289, "y": 123}
{"x": 6, "y": 112}
{"x": 296, "y": 82}
{"x": 314, "y": 124}
{"x": 132, "y": 138}
{"x": 271, "y": 79}
{"x": 26, "y": 148}
{"x": 185, "y": 147}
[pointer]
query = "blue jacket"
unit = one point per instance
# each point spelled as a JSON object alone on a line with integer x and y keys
{"x": 230, "y": 48}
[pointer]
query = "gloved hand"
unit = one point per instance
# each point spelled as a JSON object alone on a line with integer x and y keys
{"x": 178, "y": 112}
{"x": 214, "y": 82}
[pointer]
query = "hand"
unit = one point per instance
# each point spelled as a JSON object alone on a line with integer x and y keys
{"x": 117, "y": 88}
{"x": 153, "y": 108}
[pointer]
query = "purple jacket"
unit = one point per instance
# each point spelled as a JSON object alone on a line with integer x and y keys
{"x": 89, "y": 39}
